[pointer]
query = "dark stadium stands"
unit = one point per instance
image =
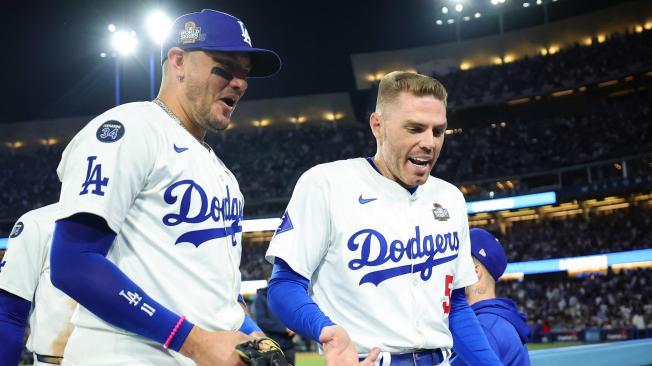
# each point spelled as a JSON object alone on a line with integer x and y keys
{"x": 622, "y": 230}
{"x": 609, "y": 301}
{"x": 573, "y": 66}
{"x": 269, "y": 163}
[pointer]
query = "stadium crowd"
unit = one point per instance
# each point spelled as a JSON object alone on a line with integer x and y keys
{"x": 625, "y": 229}
{"x": 618, "y": 55}
{"x": 597, "y": 301}
{"x": 268, "y": 164}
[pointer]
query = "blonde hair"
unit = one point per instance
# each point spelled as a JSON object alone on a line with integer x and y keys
{"x": 396, "y": 82}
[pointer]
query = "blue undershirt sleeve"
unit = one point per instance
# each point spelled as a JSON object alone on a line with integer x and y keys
{"x": 288, "y": 299}
{"x": 80, "y": 269}
{"x": 249, "y": 326}
{"x": 14, "y": 311}
{"x": 469, "y": 340}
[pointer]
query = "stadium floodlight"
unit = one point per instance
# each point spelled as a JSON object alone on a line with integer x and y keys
{"x": 439, "y": 22}
{"x": 526, "y": 4}
{"x": 103, "y": 54}
{"x": 459, "y": 7}
{"x": 450, "y": 21}
{"x": 477, "y": 15}
{"x": 539, "y": 2}
{"x": 467, "y": 18}
{"x": 125, "y": 42}
{"x": 494, "y": 2}
{"x": 111, "y": 28}
{"x": 158, "y": 24}
{"x": 444, "y": 10}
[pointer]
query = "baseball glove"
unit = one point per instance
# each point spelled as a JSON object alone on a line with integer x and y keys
{"x": 262, "y": 352}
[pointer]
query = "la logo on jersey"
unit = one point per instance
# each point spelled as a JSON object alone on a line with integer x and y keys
{"x": 217, "y": 209}
{"x": 373, "y": 250}
{"x": 94, "y": 178}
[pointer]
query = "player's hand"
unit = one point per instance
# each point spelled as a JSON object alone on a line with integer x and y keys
{"x": 213, "y": 348}
{"x": 339, "y": 350}
{"x": 289, "y": 332}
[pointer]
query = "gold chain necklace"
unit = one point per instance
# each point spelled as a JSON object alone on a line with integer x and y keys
{"x": 167, "y": 110}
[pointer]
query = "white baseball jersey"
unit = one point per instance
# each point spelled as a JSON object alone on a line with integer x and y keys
{"x": 177, "y": 211}
{"x": 26, "y": 273}
{"x": 382, "y": 262}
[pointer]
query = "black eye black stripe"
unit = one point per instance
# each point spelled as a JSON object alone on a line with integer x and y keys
{"x": 222, "y": 73}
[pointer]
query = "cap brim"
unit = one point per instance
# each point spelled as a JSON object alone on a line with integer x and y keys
{"x": 264, "y": 63}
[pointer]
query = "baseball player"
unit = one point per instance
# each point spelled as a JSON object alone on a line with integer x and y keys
{"x": 148, "y": 240}
{"x": 26, "y": 291}
{"x": 381, "y": 247}
{"x": 505, "y": 327}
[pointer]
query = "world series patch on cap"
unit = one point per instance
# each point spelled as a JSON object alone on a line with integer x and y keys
{"x": 212, "y": 30}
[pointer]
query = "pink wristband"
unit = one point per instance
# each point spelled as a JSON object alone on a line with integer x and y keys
{"x": 174, "y": 332}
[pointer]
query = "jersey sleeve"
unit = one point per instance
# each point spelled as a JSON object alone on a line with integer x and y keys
{"x": 303, "y": 236}
{"x": 23, "y": 262}
{"x": 106, "y": 165}
{"x": 465, "y": 269}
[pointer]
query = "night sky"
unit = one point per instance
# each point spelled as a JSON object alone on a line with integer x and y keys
{"x": 52, "y": 68}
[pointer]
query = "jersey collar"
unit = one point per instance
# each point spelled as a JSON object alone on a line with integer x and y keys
{"x": 370, "y": 160}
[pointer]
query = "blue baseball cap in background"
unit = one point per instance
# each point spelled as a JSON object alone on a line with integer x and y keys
{"x": 211, "y": 30}
{"x": 488, "y": 250}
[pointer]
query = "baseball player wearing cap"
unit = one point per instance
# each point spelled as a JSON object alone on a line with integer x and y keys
{"x": 374, "y": 253}
{"x": 149, "y": 233}
{"x": 26, "y": 291}
{"x": 505, "y": 326}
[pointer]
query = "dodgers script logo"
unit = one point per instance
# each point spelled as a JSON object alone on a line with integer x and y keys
{"x": 226, "y": 209}
{"x": 368, "y": 241}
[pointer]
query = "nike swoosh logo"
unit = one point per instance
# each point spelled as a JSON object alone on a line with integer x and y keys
{"x": 179, "y": 149}
{"x": 365, "y": 200}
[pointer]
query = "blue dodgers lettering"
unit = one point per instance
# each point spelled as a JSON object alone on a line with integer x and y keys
{"x": 226, "y": 209}
{"x": 367, "y": 241}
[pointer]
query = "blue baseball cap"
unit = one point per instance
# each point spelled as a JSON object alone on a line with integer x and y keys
{"x": 488, "y": 250}
{"x": 211, "y": 30}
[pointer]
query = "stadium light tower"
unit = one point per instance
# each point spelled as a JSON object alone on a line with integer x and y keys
{"x": 124, "y": 44}
{"x": 158, "y": 25}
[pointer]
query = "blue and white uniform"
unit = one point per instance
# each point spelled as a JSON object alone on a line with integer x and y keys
{"x": 177, "y": 212}
{"x": 382, "y": 261}
{"x": 26, "y": 273}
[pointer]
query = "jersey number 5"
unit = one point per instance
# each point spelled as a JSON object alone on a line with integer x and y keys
{"x": 447, "y": 293}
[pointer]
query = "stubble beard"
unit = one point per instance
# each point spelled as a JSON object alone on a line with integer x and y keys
{"x": 202, "y": 115}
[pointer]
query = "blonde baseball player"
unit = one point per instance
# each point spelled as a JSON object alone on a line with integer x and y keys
{"x": 26, "y": 291}
{"x": 149, "y": 236}
{"x": 375, "y": 253}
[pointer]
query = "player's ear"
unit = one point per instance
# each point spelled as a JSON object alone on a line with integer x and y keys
{"x": 176, "y": 58}
{"x": 478, "y": 271}
{"x": 375, "y": 124}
